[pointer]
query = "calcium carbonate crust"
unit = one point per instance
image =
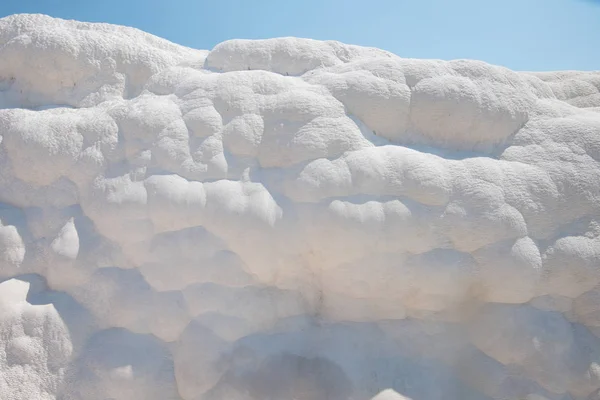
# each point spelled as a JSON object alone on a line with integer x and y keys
{"x": 291, "y": 219}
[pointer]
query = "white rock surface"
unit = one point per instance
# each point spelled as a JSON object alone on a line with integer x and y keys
{"x": 291, "y": 219}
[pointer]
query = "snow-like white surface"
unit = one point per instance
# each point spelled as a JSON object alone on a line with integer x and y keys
{"x": 291, "y": 219}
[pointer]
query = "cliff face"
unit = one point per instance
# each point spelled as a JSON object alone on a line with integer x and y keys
{"x": 291, "y": 219}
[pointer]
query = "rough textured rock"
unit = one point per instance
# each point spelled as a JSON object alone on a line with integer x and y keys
{"x": 291, "y": 219}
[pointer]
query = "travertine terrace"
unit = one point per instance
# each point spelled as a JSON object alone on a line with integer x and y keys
{"x": 291, "y": 219}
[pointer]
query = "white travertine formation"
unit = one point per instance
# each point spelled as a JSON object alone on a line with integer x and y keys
{"x": 291, "y": 219}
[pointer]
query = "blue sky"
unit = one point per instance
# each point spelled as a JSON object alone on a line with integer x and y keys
{"x": 520, "y": 34}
